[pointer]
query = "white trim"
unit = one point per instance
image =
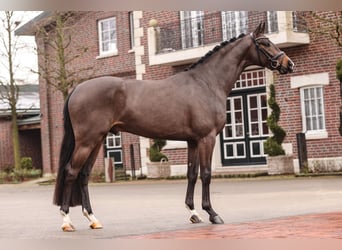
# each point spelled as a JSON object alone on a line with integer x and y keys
{"x": 318, "y": 133}
{"x": 309, "y": 80}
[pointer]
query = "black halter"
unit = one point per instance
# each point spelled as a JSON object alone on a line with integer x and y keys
{"x": 273, "y": 60}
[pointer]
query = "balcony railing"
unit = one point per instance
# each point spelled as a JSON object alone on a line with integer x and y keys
{"x": 209, "y": 29}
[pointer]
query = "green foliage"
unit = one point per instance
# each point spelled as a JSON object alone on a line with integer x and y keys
{"x": 155, "y": 150}
{"x": 26, "y": 163}
{"x": 272, "y": 145}
{"x": 339, "y": 70}
{"x": 25, "y": 172}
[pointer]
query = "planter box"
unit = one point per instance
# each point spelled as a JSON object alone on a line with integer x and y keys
{"x": 282, "y": 164}
{"x": 158, "y": 169}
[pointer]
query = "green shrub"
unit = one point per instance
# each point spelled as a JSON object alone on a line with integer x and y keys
{"x": 26, "y": 163}
{"x": 272, "y": 145}
{"x": 155, "y": 154}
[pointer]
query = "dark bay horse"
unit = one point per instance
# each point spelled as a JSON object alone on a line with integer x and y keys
{"x": 188, "y": 106}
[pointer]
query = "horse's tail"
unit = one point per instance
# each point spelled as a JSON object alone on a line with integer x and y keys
{"x": 67, "y": 148}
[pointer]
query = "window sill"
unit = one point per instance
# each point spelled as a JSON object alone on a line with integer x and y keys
{"x": 314, "y": 135}
{"x": 107, "y": 55}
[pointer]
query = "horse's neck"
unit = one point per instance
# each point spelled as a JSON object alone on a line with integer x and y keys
{"x": 223, "y": 71}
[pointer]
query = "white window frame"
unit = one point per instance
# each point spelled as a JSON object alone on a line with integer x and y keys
{"x": 234, "y": 23}
{"x": 196, "y": 38}
{"x": 113, "y": 137}
{"x": 234, "y": 124}
{"x": 259, "y": 110}
{"x": 319, "y": 132}
{"x": 311, "y": 81}
{"x": 262, "y": 151}
{"x": 235, "y": 154}
{"x": 112, "y": 41}
{"x": 272, "y": 22}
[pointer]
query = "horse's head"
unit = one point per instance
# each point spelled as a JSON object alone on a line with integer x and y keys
{"x": 269, "y": 55}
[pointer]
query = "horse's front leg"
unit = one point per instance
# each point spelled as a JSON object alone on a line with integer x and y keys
{"x": 206, "y": 147}
{"x": 192, "y": 174}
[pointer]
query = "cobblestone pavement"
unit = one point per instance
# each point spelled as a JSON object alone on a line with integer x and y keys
{"x": 313, "y": 226}
{"x": 261, "y": 207}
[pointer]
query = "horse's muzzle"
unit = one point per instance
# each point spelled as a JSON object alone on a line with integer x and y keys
{"x": 289, "y": 68}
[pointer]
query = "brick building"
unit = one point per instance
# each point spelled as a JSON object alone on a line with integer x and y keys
{"x": 137, "y": 47}
{"x": 28, "y": 114}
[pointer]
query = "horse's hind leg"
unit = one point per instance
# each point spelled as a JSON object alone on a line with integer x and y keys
{"x": 192, "y": 174}
{"x": 70, "y": 197}
{"x": 83, "y": 182}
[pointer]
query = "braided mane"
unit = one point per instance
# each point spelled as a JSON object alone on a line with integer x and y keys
{"x": 213, "y": 51}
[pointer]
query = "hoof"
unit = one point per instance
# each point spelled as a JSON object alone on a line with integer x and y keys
{"x": 68, "y": 227}
{"x": 195, "y": 219}
{"x": 216, "y": 220}
{"x": 96, "y": 225}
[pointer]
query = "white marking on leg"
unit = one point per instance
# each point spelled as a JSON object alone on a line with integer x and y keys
{"x": 194, "y": 212}
{"x": 66, "y": 220}
{"x": 91, "y": 217}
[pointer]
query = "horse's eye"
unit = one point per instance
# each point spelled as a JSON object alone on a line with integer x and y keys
{"x": 266, "y": 43}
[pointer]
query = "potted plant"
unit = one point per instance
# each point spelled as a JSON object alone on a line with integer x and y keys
{"x": 159, "y": 167}
{"x": 278, "y": 162}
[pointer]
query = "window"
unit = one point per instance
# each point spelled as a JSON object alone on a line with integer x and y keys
{"x": 312, "y": 109}
{"x": 272, "y": 22}
{"x": 234, "y": 23}
{"x": 312, "y": 103}
{"x": 107, "y": 37}
{"x": 131, "y": 28}
{"x": 192, "y": 28}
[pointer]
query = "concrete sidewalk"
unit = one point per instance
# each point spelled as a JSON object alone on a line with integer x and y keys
{"x": 255, "y": 207}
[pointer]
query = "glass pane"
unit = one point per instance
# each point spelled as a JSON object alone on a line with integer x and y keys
{"x": 308, "y": 123}
{"x": 313, "y": 107}
{"x": 314, "y": 123}
{"x": 306, "y": 94}
{"x": 228, "y": 104}
{"x": 239, "y": 130}
{"x": 240, "y": 149}
{"x": 253, "y": 101}
{"x": 238, "y": 117}
{"x": 264, "y": 114}
{"x": 256, "y": 148}
{"x": 228, "y": 131}
{"x": 255, "y": 129}
{"x": 307, "y": 108}
{"x": 264, "y": 128}
{"x": 254, "y": 115}
{"x": 320, "y": 107}
{"x": 105, "y": 46}
{"x": 263, "y": 99}
{"x": 112, "y": 35}
{"x": 229, "y": 118}
{"x": 229, "y": 150}
{"x": 321, "y": 122}
{"x": 112, "y": 24}
{"x": 237, "y": 104}
{"x": 318, "y": 92}
{"x": 105, "y": 36}
{"x": 117, "y": 141}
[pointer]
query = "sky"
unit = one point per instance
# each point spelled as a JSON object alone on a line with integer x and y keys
{"x": 26, "y": 58}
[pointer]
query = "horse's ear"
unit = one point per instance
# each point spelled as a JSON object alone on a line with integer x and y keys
{"x": 259, "y": 30}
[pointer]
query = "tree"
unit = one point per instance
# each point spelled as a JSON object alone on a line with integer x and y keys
{"x": 59, "y": 56}
{"x": 9, "y": 89}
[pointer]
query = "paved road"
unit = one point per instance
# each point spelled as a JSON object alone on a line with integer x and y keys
{"x": 143, "y": 207}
